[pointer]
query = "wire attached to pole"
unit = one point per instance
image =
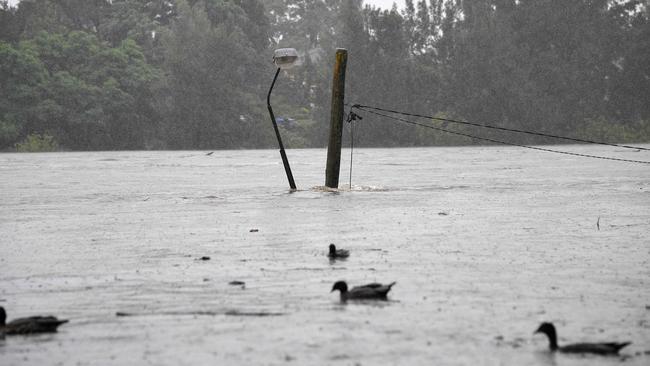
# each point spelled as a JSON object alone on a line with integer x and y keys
{"x": 503, "y": 142}
{"x": 368, "y": 108}
{"x": 351, "y": 118}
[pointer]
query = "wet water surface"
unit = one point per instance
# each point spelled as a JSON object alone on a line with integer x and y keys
{"x": 484, "y": 243}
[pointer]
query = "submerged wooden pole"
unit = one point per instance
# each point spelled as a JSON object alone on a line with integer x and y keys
{"x": 336, "y": 120}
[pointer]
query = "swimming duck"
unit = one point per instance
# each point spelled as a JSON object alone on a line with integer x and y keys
{"x": 596, "y": 348}
{"x": 337, "y": 253}
{"x": 371, "y": 291}
{"x": 32, "y": 324}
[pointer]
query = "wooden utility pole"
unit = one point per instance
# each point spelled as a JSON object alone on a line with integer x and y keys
{"x": 336, "y": 120}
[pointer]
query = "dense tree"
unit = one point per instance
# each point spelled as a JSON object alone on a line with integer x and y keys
{"x": 209, "y": 61}
{"x": 77, "y": 89}
{"x": 629, "y": 79}
{"x": 129, "y": 74}
{"x": 21, "y": 75}
{"x": 9, "y": 27}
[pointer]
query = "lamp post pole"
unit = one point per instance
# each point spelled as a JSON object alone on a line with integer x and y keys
{"x": 285, "y": 161}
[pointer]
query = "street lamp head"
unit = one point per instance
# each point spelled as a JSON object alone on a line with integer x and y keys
{"x": 285, "y": 58}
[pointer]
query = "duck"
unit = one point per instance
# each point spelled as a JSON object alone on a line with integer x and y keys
{"x": 371, "y": 291}
{"x": 30, "y": 325}
{"x": 337, "y": 253}
{"x": 605, "y": 348}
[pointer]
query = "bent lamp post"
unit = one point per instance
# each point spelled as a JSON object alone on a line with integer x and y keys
{"x": 283, "y": 58}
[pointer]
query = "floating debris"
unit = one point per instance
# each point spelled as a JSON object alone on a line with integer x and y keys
{"x": 202, "y": 313}
{"x": 204, "y": 258}
{"x": 252, "y": 313}
{"x": 253, "y": 230}
{"x": 515, "y": 343}
{"x": 238, "y": 283}
{"x": 340, "y": 357}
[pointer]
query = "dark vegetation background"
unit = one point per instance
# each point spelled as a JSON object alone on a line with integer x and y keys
{"x": 193, "y": 74}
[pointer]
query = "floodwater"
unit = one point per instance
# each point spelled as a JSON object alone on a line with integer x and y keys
{"x": 484, "y": 243}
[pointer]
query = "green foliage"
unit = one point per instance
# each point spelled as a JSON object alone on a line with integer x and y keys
{"x": 9, "y": 26}
{"x": 213, "y": 71}
{"x": 193, "y": 74}
{"x": 602, "y": 130}
{"x": 37, "y": 143}
{"x": 87, "y": 94}
{"x": 8, "y": 133}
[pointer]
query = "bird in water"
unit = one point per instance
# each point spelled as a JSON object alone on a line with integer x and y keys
{"x": 30, "y": 325}
{"x": 337, "y": 253}
{"x": 605, "y": 348}
{"x": 372, "y": 291}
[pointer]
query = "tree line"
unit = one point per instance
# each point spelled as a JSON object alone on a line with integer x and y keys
{"x": 193, "y": 74}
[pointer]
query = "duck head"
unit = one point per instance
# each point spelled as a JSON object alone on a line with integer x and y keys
{"x": 332, "y": 249}
{"x": 549, "y": 330}
{"x": 341, "y": 286}
{"x": 3, "y": 316}
{"x": 546, "y": 328}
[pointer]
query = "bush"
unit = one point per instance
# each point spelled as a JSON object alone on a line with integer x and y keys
{"x": 8, "y": 134}
{"x": 37, "y": 143}
{"x": 602, "y": 130}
